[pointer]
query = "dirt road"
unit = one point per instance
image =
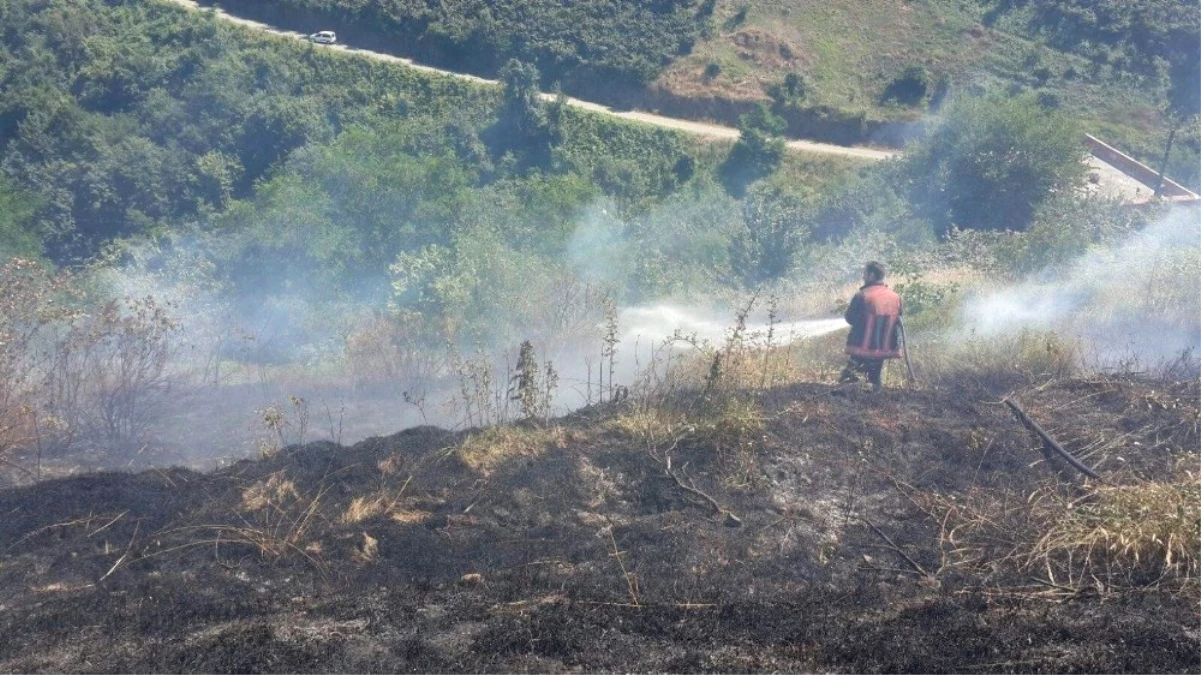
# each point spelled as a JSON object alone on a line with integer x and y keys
{"x": 687, "y": 126}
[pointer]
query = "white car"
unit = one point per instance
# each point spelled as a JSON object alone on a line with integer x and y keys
{"x": 325, "y": 37}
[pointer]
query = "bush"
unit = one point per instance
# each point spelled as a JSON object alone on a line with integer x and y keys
{"x": 758, "y": 152}
{"x": 18, "y": 239}
{"x": 991, "y": 162}
{"x": 910, "y": 87}
{"x": 790, "y": 92}
{"x": 67, "y": 376}
{"x": 774, "y": 228}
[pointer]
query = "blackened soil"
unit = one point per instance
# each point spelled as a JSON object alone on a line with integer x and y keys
{"x": 585, "y": 555}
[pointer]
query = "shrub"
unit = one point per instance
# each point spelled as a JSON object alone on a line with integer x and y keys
{"x": 34, "y": 307}
{"x": 111, "y": 375}
{"x": 65, "y": 375}
{"x": 774, "y": 228}
{"x": 910, "y": 87}
{"x": 790, "y": 92}
{"x": 991, "y": 162}
{"x": 758, "y": 151}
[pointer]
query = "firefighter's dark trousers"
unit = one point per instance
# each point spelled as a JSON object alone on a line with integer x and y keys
{"x": 870, "y": 367}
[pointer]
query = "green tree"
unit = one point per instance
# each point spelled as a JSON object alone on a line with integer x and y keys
{"x": 524, "y": 126}
{"x": 773, "y": 229}
{"x": 1184, "y": 99}
{"x": 789, "y": 93}
{"x": 910, "y": 87}
{"x": 991, "y": 161}
{"x": 18, "y": 239}
{"x": 758, "y": 151}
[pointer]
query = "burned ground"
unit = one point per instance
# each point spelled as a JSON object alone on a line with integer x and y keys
{"x": 802, "y": 537}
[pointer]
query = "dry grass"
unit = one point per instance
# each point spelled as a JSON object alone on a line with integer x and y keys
{"x": 274, "y": 492}
{"x": 1115, "y": 531}
{"x": 362, "y": 508}
{"x": 486, "y": 450}
{"x": 723, "y": 430}
{"x": 276, "y": 518}
{"x": 1103, "y": 537}
{"x": 368, "y": 551}
{"x": 410, "y": 517}
{"x": 997, "y": 362}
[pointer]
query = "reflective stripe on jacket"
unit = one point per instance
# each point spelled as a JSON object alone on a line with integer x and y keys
{"x": 874, "y": 315}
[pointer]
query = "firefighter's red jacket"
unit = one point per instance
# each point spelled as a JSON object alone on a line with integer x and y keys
{"x": 874, "y": 315}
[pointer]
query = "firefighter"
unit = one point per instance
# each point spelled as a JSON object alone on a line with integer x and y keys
{"x": 875, "y": 316}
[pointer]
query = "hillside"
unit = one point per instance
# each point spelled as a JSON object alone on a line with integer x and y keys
{"x": 863, "y": 73}
{"x": 123, "y": 120}
{"x": 869, "y": 69}
{"x": 821, "y": 529}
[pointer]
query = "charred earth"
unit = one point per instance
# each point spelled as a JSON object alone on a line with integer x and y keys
{"x": 800, "y": 529}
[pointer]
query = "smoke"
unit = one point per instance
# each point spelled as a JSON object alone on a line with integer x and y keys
{"x": 599, "y": 250}
{"x": 1136, "y": 298}
{"x": 273, "y": 326}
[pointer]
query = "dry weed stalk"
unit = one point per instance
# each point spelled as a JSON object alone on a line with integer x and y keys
{"x": 283, "y": 428}
{"x": 531, "y": 387}
{"x": 631, "y": 580}
{"x": 608, "y": 354}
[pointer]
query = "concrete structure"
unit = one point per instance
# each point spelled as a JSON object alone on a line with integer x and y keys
{"x": 1115, "y": 174}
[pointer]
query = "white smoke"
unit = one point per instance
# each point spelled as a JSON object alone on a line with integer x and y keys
{"x": 1138, "y": 297}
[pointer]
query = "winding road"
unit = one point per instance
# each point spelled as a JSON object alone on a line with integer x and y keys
{"x": 687, "y": 126}
{"x": 1107, "y": 179}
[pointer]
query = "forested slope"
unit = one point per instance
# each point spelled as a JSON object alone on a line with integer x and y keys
{"x": 117, "y": 119}
{"x": 834, "y": 71}
{"x": 612, "y": 45}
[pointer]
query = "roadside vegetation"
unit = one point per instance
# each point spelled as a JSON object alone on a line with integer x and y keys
{"x": 594, "y": 45}
{"x": 833, "y": 70}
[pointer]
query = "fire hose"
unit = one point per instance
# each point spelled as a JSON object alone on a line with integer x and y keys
{"x": 905, "y": 353}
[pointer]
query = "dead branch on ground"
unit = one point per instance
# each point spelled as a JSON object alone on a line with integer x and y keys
{"x": 1049, "y": 442}
{"x": 897, "y": 549}
{"x": 690, "y": 487}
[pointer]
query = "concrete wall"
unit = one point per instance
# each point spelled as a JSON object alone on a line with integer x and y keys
{"x": 1171, "y": 191}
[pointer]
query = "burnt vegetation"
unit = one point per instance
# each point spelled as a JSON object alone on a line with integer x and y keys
{"x": 918, "y": 530}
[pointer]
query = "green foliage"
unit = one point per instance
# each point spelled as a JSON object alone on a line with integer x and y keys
{"x": 585, "y": 44}
{"x": 774, "y": 229}
{"x": 790, "y": 92}
{"x": 526, "y": 130}
{"x": 927, "y": 304}
{"x": 1067, "y": 227}
{"x": 758, "y": 151}
{"x": 990, "y": 162}
{"x": 316, "y": 169}
{"x": 122, "y": 118}
{"x": 18, "y": 236}
{"x": 870, "y": 201}
{"x": 910, "y": 87}
{"x": 1184, "y": 88}
{"x": 1130, "y": 34}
